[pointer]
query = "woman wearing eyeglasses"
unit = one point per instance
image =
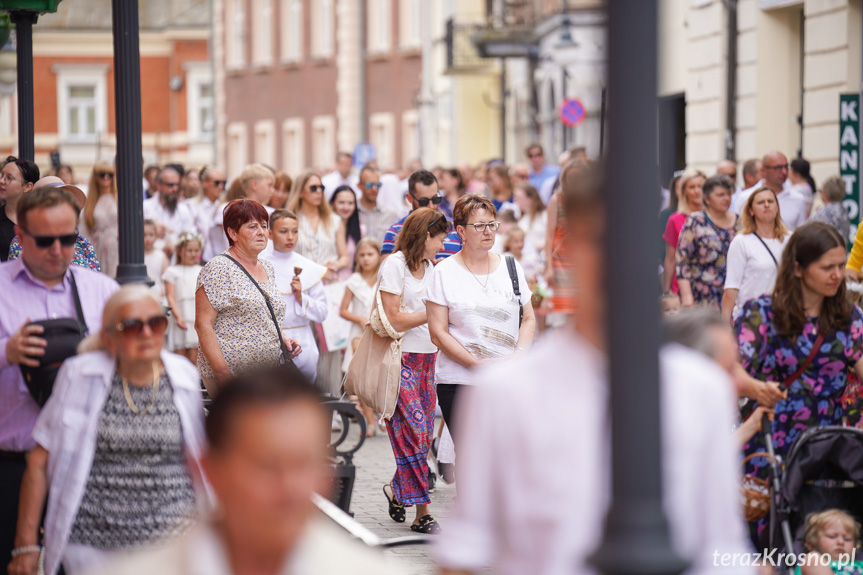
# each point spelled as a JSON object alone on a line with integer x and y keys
{"x": 117, "y": 446}
{"x": 404, "y": 278}
{"x": 473, "y": 311}
{"x": 99, "y": 221}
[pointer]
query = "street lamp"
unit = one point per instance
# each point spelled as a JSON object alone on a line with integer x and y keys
{"x": 24, "y": 14}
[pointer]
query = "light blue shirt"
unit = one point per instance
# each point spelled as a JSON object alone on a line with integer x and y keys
{"x": 537, "y": 178}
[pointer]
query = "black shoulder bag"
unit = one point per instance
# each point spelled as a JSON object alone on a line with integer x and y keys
{"x": 63, "y": 336}
{"x": 286, "y": 354}
{"x": 769, "y": 251}
{"x": 513, "y": 275}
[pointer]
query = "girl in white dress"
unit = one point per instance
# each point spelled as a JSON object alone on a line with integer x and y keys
{"x": 301, "y": 282}
{"x": 154, "y": 260}
{"x": 180, "y": 283}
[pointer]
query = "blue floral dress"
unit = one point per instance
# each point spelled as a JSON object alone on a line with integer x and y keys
{"x": 815, "y": 399}
{"x": 702, "y": 258}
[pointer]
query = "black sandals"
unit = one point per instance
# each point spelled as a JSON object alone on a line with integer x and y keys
{"x": 427, "y": 525}
{"x": 396, "y": 509}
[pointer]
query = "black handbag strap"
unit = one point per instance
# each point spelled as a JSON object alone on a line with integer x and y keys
{"x": 513, "y": 275}
{"x": 769, "y": 251}
{"x": 79, "y": 311}
{"x": 282, "y": 345}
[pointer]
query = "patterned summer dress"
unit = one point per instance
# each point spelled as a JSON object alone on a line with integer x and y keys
{"x": 815, "y": 399}
{"x": 244, "y": 327}
{"x": 139, "y": 490}
{"x": 702, "y": 252}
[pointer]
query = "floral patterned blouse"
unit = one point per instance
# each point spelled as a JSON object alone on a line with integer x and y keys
{"x": 244, "y": 326}
{"x": 815, "y": 399}
{"x": 702, "y": 251}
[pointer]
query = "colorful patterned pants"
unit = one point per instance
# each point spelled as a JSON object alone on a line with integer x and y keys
{"x": 411, "y": 428}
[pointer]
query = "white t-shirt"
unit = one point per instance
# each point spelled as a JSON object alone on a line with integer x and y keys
{"x": 750, "y": 269}
{"x": 395, "y": 277}
{"x": 483, "y": 321}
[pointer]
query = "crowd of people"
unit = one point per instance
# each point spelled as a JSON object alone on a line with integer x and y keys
{"x": 266, "y": 283}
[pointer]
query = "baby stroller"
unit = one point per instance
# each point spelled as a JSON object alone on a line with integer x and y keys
{"x": 823, "y": 470}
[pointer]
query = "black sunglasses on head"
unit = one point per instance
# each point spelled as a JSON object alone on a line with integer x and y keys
{"x": 134, "y": 327}
{"x": 423, "y": 202}
{"x": 44, "y": 242}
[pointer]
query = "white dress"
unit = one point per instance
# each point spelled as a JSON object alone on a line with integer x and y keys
{"x": 184, "y": 279}
{"x": 361, "y": 304}
{"x": 298, "y": 316}
{"x": 155, "y": 263}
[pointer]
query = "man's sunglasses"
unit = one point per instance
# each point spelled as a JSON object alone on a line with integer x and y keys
{"x": 316, "y": 188}
{"x": 134, "y": 327}
{"x": 371, "y": 185}
{"x": 423, "y": 202}
{"x": 109, "y": 175}
{"x": 45, "y": 242}
{"x": 220, "y": 182}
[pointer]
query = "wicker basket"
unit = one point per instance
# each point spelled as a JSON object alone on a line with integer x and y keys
{"x": 756, "y": 492}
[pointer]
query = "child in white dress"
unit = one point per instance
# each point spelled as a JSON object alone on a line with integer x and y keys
{"x": 154, "y": 260}
{"x": 180, "y": 282}
{"x": 300, "y": 281}
{"x": 357, "y": 305}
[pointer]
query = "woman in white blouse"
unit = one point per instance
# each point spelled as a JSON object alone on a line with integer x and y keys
{"x": 404, "y": 279}
{"x": 755, "y": 253}
{"x": 534, "y": 219}
{"x": 473, "y": 312}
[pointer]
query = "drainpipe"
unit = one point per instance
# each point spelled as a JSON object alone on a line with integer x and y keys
{"x": 364, "y": 126}
{"x": 731, "y": 82}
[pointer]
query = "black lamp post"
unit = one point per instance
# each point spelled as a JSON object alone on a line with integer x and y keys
{"x": 24, "y": 14}
{"x": 127, "y": 89}
{"x": 636, "y": 539}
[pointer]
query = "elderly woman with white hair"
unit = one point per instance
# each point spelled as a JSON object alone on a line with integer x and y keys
{"x": 118, "y": 445}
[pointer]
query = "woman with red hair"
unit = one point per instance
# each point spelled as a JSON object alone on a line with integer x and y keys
{"x": 234, "y": 296}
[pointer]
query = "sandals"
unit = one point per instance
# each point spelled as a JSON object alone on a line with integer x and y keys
{"x": 396, "y": 509}
{"x": 427, "y": 525}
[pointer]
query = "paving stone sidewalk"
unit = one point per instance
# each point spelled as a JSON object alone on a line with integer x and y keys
{"x": 375, "y": 467}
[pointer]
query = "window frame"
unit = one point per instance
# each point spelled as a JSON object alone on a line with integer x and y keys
{"x": 70, "y": 75}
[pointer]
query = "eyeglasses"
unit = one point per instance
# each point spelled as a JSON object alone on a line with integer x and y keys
{"x": 534, "y": 155}
{"x": 372, "y": 185}
{"x": 103, "y": 175}
{"x": 316, "y": 188}
{"x": 780, "y": 167}
{"x": 134, "y": 327}
{"x": 171, "y": 184}
{"x": 482, "y": 226}
{"x": 423, "y": 202}
{"x": 219, "y": 183}
{"x": 44, "y": 242}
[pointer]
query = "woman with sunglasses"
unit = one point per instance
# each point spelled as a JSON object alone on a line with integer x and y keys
{"x": 322, "y": 233}
{"x": 404, "y": 278}
{"x": 117, "y": 448}
{"x": 473, "y": 311}
{"x": 99, "y": 221}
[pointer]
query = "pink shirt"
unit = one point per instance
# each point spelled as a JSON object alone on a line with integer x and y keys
{"x": 672, "y": 233}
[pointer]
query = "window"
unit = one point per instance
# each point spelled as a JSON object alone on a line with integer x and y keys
{"x": 379, "y": 26}
{"x": 291, "y": 30}
{"x": 323, "y": 141}
{"x": 410, "y": 136}
{"x": 236, "y": 34}
{"x": 237, "y": 148}
{"x": 82, "y": 108}
{"x": 410, "y": 34}
{"x": 322, "y": 25}
{"x": 262, "y": 32}
{"x": 265, "y": 142}
{"x": 200, "y": 103}
{"x": 293, "y": 146}
{"x": 382, "y": 135}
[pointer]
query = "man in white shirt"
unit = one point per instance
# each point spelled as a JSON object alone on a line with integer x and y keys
{"x": 374, "y": 217}
{"x": 171, "y": 216}
{"x": 266, "y": 457}
{"x": 204, "y": 206}
{"x": 792, "y": 206}
{"x": 340, "y": 176}
{"x": 548, "y": 412}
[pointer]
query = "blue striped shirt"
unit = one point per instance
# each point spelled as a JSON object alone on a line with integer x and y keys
{"x": 451, "y": 245}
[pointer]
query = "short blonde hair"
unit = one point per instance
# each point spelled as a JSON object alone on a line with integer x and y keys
{"x": 110, "y": 316}
{"x": 254, "y": 172}
{"x": 817, "y": 522}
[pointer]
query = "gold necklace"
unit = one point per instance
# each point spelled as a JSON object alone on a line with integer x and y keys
{"x": 487, "y": 274}
{"x": 155, "y": 386}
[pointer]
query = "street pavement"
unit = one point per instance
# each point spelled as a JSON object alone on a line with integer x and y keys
{"x": 375, "y": 467}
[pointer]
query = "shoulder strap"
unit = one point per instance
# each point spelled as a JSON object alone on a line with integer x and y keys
{"x": 769, "y": 251}
{"x": 282, "y": 345}
{"x": 794, "y": 376}
{"x": 79, "y": 311}
{"x": 513, "y": 275}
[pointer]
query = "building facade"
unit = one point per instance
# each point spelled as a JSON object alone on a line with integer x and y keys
{"x": 73, "y": 85}
{"x": 772, "y": 84}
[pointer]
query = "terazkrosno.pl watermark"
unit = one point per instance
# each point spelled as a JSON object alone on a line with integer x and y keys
{"x": 774, "y": 558}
